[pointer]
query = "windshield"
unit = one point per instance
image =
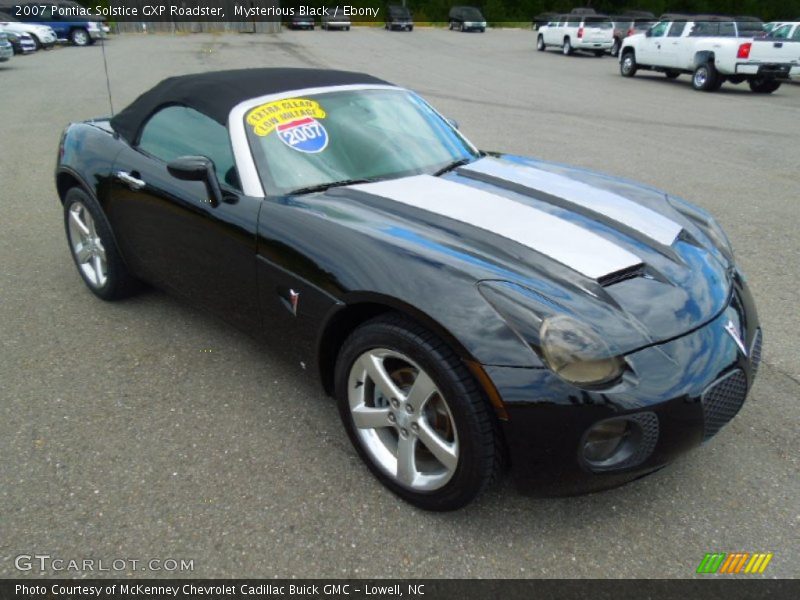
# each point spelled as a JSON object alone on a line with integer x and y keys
{"x": 472, "y": 14}
{"x": 399, "y": 12}
{"x": 354, "y": 135}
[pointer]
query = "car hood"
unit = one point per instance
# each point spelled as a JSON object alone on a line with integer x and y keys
{"x": 546, "y": 238}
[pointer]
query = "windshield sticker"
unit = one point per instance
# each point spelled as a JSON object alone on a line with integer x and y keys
{"x": 265, "y": 118}
{"x": 295, "y": 120}
{"x": 304, "y": 135}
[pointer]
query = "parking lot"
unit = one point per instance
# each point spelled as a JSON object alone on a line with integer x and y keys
{"x": 146, "y": 429}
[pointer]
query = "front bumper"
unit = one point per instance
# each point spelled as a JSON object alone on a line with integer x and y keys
{"x": 693, "y": 385}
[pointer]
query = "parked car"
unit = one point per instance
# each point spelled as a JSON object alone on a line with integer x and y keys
{"x": 301, "y": 22}
{"x": 43, "y": 36}
{"x": 71, "y": 4}
{"x": 467, "y": 311}
{"x": 399, "y": 18}
{"x": 585, "y": 32}
{"x": 466, "y": 18}
{"x": 768, "y": 27}
{"x": 335, "y": 18}
{"x": 6, "y": 49}
{"x": 713, "y": 50}
{"x": 80, "y": 31}
{"x": 786, "y": 31}
{"x": 21, "y": 43}
{"x": 625, "y": 26}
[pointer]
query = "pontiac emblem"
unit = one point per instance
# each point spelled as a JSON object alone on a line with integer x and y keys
{"x": 294, "y": 298}
{"x": 734, "y": 333}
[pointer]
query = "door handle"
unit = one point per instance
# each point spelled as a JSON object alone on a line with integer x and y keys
{"x": 132, "y": 182}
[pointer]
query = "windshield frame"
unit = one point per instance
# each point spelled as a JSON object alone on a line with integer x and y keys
{"x": 245, "y": 161}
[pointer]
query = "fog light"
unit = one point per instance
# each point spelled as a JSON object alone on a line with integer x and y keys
{"x": 604, "y": 440}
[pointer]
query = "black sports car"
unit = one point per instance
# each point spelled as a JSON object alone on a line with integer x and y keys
{"x": 469, "y": 311}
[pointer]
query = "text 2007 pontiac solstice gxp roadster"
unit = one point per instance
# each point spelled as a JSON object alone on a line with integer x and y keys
{"x": 469, "y": 311}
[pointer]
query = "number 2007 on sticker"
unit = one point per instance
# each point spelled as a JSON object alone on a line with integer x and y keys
{"x": 304, "y": 135}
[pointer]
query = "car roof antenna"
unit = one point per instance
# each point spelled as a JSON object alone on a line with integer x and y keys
{"x": 105, "y": 66}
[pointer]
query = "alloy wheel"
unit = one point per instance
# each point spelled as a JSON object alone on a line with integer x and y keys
{"x": 86, "y": 245}
{"x": 403, "y": 420}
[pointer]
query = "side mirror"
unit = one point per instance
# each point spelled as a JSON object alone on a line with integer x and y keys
{"x": 453, "y": 123}
{"x": 648, "y": 33}
{"x": 197, "y": 168}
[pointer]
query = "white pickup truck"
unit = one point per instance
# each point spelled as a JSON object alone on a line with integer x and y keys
{"x": 713, "y": 50}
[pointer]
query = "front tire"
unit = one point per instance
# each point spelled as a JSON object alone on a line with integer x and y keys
{"x": 706, "y": 78}
{"x": 415, "y": 414}
{"x": 540, "y": 44}
{"x": 615, "y": 47}
{"x": 567, "y": 47}
{"x": 763, "y": 86}
{"x": 94, "y": 249}
{"x": 628, "y": 66}
{"x": 80, "y": 37}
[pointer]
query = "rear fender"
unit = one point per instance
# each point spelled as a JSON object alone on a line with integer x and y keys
{"x": 703, "y": 57}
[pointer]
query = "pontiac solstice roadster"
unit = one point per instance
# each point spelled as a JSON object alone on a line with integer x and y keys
{"x": 472, "y": 313}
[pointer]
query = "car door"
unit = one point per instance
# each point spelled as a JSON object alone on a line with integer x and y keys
{"x": 550, "y": 33}
{"x": 649, "y": 51}
{"x": 171, "y": 232}
{"x": 671, "y": 47}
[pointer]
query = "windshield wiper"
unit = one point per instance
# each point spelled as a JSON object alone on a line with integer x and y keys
{"x": 325, "y": 186}
{"x": 453, "y": 165}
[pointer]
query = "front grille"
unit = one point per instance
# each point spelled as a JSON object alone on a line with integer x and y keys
{"x": 722, "y": 400}
{"x": 755, "y": 353}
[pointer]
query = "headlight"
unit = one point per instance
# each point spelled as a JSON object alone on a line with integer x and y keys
{"x": 93, "y": 25}
{"x": 576, "y": 353}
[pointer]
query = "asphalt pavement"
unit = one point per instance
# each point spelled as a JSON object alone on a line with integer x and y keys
{"x": 148, "y": 430}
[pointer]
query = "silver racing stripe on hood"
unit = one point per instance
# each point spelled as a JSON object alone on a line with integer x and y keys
{"x": 569, "y": 192}
{"x": 569, "y": 244}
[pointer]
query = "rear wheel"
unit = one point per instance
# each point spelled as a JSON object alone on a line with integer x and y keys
{"x": 615, "y": 47}
{"x": 567, "y": 47}
{"x": 627, "y": 66}
{"x": 93, "y": 248}
{"x": 540, "y": 44}
{"x": 706, "y": 78}
{"x": 415, "y": 414}
{"x": 764, "y": 86}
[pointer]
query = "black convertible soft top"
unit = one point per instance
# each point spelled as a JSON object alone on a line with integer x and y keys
{"x": 215, "y": 93}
